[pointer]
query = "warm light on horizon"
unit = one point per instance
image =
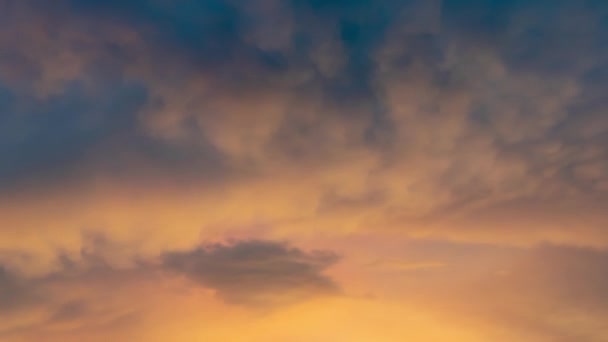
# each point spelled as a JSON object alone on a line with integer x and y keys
{"x": 303, "y": 171}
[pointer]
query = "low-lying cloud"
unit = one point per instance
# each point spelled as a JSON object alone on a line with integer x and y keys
{"x": 256, "y": 272}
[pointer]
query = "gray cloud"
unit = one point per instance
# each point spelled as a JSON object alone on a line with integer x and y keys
{"x": 85, "y": 293}
{"x": 488, "y": 107}
{"x": 543, "y": 293}
{"x": 15, "y": 293}
{"x": 565, "y": 286}
{"x": 70, "y": 311}
{"x": 256, "y": 272}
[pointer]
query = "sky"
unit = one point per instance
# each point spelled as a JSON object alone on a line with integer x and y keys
{"x": 303, "y": 170}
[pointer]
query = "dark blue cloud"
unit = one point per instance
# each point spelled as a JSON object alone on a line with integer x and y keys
{"x": 552, "y": 37}
{"x": 212, "y": 34}
{"x": 208, "y": 31}
{"x": 43, "y": 136}
{"x": 15, "y": 293}
{"x": 212, "y": 39}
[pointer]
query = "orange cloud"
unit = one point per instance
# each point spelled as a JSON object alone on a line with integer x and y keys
{"x": 452, "y": 153}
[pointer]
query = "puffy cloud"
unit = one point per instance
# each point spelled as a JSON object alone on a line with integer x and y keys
{"x": 547, "y": 293}
{"x": 256, "y": 272}
{"x": 357, "y": 117}
{"x": 93, "y": 293}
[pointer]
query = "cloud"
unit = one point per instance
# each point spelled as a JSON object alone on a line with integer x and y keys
{"x": 545, "y": 293}
{"x": 256, "y": 272}
{"x": 15, "y": 293}
{"x": 553, "y": 292}
{"x": 165, "y": 123}
{"x": 357, "y": 117}
{"x": 92, "y": 293}
{"x": 70, "y": 311}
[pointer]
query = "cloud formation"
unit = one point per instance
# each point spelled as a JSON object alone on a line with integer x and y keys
{"x": 92, "y": 295}
{"x": 256, "y": 272}
{"x": 15, "y": 292}
{"x": 412, "y": 126}
{"x": 476, "y": 127}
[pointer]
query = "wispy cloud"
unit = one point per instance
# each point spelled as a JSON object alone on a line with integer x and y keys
{"x": 164, "y": 124}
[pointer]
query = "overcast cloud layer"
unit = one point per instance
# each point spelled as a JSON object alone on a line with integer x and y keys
{"x": 309, "y": 162}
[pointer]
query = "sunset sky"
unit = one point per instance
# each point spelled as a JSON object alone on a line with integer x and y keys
{"x": 304, "y": 170}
